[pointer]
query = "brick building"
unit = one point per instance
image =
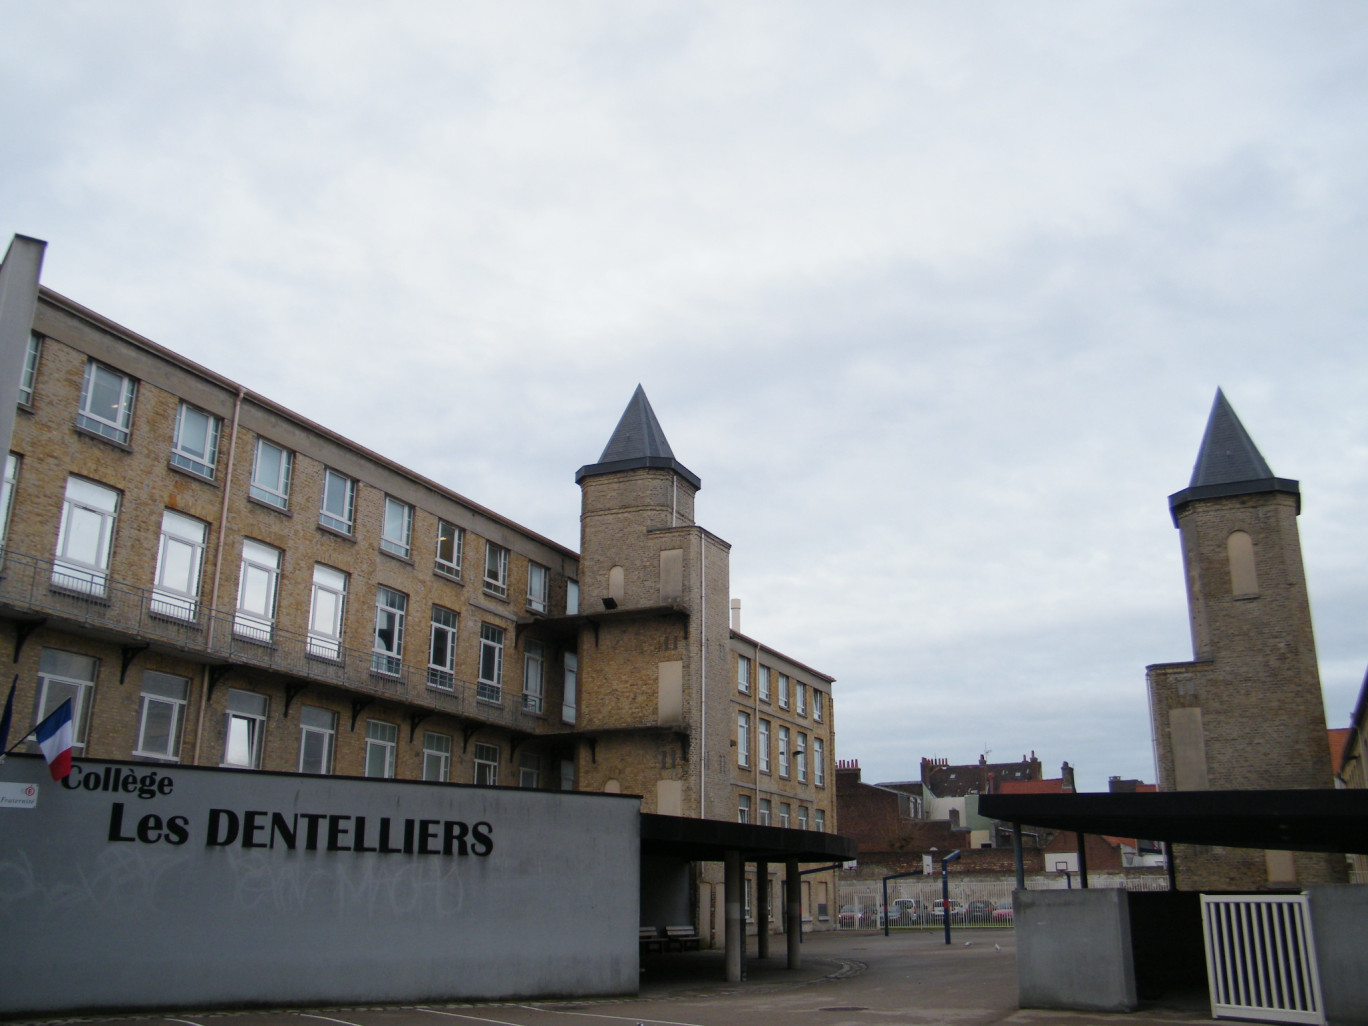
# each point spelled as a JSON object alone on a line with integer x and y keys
{"x": 215, "y": 580}
{"x": 1246, "y": 713}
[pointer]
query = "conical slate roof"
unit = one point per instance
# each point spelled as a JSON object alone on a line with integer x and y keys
{"x": 1229, "y": 463}
{"x": 638, "y": 441}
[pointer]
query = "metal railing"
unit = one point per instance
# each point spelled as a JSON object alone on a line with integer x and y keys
{"x": 1261, "y": 958}
{"x": 32, "y": 585}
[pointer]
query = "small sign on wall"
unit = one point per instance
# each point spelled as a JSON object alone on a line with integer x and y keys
{"x": 18, "y": 795}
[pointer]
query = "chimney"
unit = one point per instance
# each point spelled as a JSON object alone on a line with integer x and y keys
{"x": 736, "y": 615}
{"x": 1066, "y": 775}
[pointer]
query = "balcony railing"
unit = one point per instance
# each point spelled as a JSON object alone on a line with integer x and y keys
{"x": 29, "y": 585}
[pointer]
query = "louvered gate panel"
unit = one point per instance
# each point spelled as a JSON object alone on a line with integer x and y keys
{"x": 1261, "y": 958}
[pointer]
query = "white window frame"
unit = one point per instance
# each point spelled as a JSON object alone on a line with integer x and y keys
{"x": 30, "y": 375}
{"x": 318, "y": 724}
{"x": 802, "y": 817}
{"x": 244, "y": 728}
{"x": 571, "y": 598}
{"x": 327, "y": 611}
{"x": 818, "y": 762}
{"x": 11, "y": 481}
{"x": 451, "y": 537}
{"x": 163, "y": 695}
{"x": 387, "y": 653}
{"x": 496, "y": 570}
{"x": 570, "y": 691}
{"x": 743, "y": 738}
{"x": 180, "y": 561}
{"x": 819, "y": 820}
{"x": 762, "y": 816}
{"x": 529, "y": 770}
{"x": 783, "y": 751}
{"x": 436, "y": 757}
{"x": 396, "y": 529}
{"x": 762, "y": 745}
{"x": 260, "y": 574}
{"x": 198, "y": 455}
{"x": 382, "y": 750}
{"x": 341, "y": 490}
{"x": 538, "y": 587}
{"x": 489, "y": 684}
{"x": 743, "y": 808}
{"x": 486, "y": 765}
{"x": 534, "y": 676}
{"x": 800, "y": 757}
{"x": 743, "y": 674}
{"x": 817, "y": 705}
{"x": 785, "y": 811}
{"x": 120, "y": 426}
{"x": 763, "y": 685}
{"x": 63, "y": 675}
{"x": 799, "y": 698}
{"x": 87, "y": 504}
{"x": 445, "y": 629}
{"x": 783, "y": 690}
{"x": 275, "y": 489}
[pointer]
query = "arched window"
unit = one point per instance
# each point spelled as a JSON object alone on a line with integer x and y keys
{"x": 615, "y": 586}
{"x": 1244, "y": 582}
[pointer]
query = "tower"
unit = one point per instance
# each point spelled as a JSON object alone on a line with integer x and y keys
{"x": 654, "y": 593}
{"x": 1246, "y": 713}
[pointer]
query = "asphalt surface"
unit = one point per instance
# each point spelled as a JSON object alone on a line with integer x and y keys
{"x": 846, "y": 979}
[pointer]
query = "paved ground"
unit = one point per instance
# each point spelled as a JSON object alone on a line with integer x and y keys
{"x": 847, "y": 979}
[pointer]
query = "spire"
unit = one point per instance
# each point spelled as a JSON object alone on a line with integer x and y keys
{"x": 637, "y": 442}
{"x": 1229, "y": 463}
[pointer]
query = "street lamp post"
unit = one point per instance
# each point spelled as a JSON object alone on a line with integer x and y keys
{"x": 945, "y": 890}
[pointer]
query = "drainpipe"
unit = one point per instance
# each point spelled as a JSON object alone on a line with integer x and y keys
{"x": 218, "y": 570}
{"x": 703, "y": 676}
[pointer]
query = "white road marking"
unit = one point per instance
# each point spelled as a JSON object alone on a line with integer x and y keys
{"x": 328, "y": 1018}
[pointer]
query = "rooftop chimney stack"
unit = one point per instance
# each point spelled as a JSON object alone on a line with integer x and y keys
{"x": 736, "y": 615}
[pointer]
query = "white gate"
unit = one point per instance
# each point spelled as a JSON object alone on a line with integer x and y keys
{"x": 1261, "y": 958}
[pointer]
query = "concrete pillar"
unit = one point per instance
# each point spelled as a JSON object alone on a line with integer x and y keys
{"x": 1018, "y": 857}
{"x": 762, "y": 909}
{"x": 1082, "y": 861}
{"x": 793, "y": 896}
{"x": 734, "y": 885}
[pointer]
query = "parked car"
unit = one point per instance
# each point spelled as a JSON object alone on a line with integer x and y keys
{"x": 904, "y": 912}
{"x": 956, "y": 910}
{"x": 1002, "y": 915}
{"x": 979, "y": 911}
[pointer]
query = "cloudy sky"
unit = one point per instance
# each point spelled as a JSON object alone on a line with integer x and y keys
{"x": 934, "y": 298}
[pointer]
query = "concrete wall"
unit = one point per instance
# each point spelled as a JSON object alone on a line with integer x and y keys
{"x": 1074, "y": 950}
{"x": 1338, "y": 915}
{"x": 116, "y": 887}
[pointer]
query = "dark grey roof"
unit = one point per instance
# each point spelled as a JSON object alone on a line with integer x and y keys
{"x": 1229, "y": 463}
{"x": 637, "y": 442}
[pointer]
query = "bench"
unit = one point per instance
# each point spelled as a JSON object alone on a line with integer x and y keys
{"x": 681, "y": 938}
{"x": 650, "y": 939}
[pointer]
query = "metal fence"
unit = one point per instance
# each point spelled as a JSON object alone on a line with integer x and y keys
{"x": 1261, "y": 958}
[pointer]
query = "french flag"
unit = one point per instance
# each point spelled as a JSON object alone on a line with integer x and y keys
{"x": 54, "y": 738}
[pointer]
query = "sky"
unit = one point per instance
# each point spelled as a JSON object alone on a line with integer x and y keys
{"x": 934, "y": 298}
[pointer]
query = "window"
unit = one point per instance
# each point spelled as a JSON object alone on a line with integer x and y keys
{"x": 396, "y": 534}
{"x": 490, "y": 685}
{"x": 743, "y": 809}
{"x": 63, "y": 675}
{"x": 783, "y": 751}
{"x": 799, "y": 698}
{"x": 743, "y": 674}
{"x": 271, "y": 474}
{"x": 538, "y": 587}
{"x": 339, "y": 502}
{"x": 106, "y": 402}
{"x": 800, "y": 757}
{"x": 179, "y": 559}
{"x": 85, "y": 537}
{"x": 529, "y": 770}
{"x": 783, "y": 691}
{"x": 11, "y": 479}
{"x": 534, "y": 676}
{"x": 245, "y": 729}
{"x": 743, "y": 739}
{"x": 567, "y": 775}
{"x": 442, "y": 652}
{"x": 818, "y": 760}
{"x": 496, "y": 569}
{"x": 819, "y": 820}
{"x": 762, "y": 744}
{"x": 388, "y": 648}
{"x": 570, "y": 697}
{"x": 487, "y": 765}
{"x": 30, "y": 374}
{"x": 317, "y": 739}
{"x": 257, "y": 586}
{"x": 763, "y": 817}
{"x": 802, "y": 817}
{"x": 764, "y": 683}
{"x": 571, "y": 598}
{"x": 784, "y": 812}
{"x": 325, "y": 612}
{"x": 436, "y": 757}
{"x": 196, "y": 443}
{"x": 450, "y": 544}
{"x": 816, "y": 705}
{"x": 382, "y": 745}
{"x": 161, "y": 715}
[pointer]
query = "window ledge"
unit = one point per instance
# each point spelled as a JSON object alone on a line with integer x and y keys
{"x": 336, "y": 533}
{"x": 194, "y": 475}
{"x": 395, "y": 556}
{"x": 447, "y": 575}
{"x": 111, "y": 442}
{"x": 500, "y": 596}
{"x": 282, "y": 510}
